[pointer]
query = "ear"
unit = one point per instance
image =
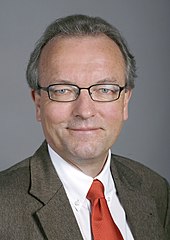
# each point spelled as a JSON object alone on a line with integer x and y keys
{"x": 127, "y": 97}
{"x": 37, "y": 100}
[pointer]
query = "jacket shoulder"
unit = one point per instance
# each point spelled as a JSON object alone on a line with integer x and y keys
{"x": 15, "y": 178}
{"x": 136, "y": 169}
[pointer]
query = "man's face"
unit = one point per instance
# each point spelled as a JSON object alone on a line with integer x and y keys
{"x": 82, "y": 130}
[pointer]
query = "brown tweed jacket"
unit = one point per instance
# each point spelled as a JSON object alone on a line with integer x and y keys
{"x": 34, "y": 205}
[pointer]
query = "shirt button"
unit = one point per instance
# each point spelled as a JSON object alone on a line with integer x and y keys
{"x": 77, "y": 203}
{"x": 108, "y": 199}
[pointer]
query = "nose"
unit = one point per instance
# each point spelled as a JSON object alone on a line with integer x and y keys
{"x": 84, "y": 106}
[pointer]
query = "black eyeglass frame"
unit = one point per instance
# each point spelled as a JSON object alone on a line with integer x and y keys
{"x": 47, "y": 89}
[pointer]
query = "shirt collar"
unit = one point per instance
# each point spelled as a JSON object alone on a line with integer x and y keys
{"x": 76, "y": 183}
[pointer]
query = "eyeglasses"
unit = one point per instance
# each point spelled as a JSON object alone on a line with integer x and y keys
{"x": 70, "y": 92}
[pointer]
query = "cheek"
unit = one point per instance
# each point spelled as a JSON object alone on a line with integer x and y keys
{"x": 113, "y": 123}
{"x": 119, "y": 111}
{"x": 52, "y": 113}
{"x": 114, "y": 113}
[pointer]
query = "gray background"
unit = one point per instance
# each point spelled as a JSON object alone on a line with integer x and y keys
{"x": 145, "y": 25}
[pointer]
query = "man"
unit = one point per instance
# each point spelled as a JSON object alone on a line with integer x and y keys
{"x": 81, "y": 76}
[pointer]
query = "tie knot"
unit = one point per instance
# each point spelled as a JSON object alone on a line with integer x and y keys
{"x": 96, "y": 191}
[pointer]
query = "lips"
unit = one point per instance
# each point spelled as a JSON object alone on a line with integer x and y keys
{"x": 84, "y": 129}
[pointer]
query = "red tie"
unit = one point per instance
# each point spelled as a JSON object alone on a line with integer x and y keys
{"x": 103, "y": 226}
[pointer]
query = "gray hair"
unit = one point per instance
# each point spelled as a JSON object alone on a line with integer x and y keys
{"x": 79, "y": 26}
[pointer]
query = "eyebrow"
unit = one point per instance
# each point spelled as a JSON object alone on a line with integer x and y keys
{"x": 105, "y": 80}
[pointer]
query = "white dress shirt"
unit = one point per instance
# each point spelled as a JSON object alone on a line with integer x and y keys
{"x": 77, "y": 185}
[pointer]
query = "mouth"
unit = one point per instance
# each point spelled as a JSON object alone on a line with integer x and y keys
{"x": 84, "y": 130}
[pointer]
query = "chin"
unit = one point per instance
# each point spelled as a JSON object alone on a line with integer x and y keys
{"x": 85, "y": 153}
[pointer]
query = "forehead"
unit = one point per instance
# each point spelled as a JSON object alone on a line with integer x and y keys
{"x": 85, "y": 54}
{"x": 100, "y": 42}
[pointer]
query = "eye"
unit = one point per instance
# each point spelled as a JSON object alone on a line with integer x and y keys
{"x": 105, "y": 90}
{"x": 61, "y": 91}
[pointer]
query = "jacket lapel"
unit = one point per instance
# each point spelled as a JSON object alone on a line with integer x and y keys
{"x": 56, "y": 218}
{"x": 140, "y": 208}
